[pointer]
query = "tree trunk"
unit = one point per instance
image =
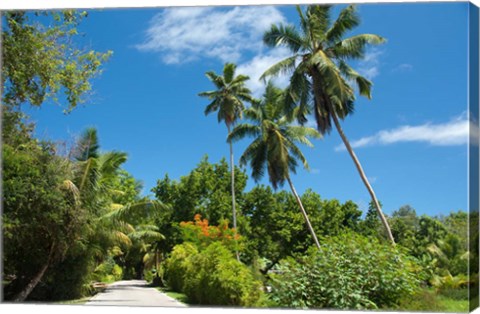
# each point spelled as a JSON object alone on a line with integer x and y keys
{"x": 304, "y": 213}
{"x": 363, "y": 176}
{"x": 234, "y": 212}
{"x": 22, "y": 295}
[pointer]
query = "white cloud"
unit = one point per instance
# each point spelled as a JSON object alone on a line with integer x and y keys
{"x": 258, "y": 65}
{"x": 369, "y": 66}
{"x": 452, "y": 133}
{"x": 404, "y": 67}
{"x": 182, "y": 35}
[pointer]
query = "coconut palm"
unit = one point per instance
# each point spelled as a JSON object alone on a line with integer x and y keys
{"x": 274, "y": 147}
{"x": 320, "y": 75}
{"x": 228, "y": 100}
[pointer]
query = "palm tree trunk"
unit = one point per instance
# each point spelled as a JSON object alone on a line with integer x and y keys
{"x": 22, "y": 295}
{"x": 299, "y": 201}
{"x": 363, "y": 176}
{"x": 234, "y": 212}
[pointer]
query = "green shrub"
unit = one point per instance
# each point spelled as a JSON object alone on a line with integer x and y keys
{"x": 108, "y": 271}
{"x": 215, "y": 277}
{"x": 148, "y": 275}
{"x": 350, "y": 272}
{"x": 117, "y": 272}
{"x": 176, "y": 265}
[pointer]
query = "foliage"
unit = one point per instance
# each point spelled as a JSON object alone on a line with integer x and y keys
{"x": 41, "y": 62}
{"x": 205, "y": 190}
{"x": 274, "y": 147}
{"x": 41, "y": 215}
{"x": 229, "y": 96}
{"x": 108, "y": 271}
{"x": 427, "y": 300}
{"x": 276, "y": 228}
{"x": 202, "y": 235}
{"x": 177, "y": 265}
{"x": 349, "y": 272}
{"x": 320, "y": 76}
{"x": 215, "y": 277}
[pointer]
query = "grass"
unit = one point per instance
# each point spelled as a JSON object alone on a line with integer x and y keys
{"x": 428, "y": 300}
{"x": 451, "y": 305}
{"x": 174, "y": 295}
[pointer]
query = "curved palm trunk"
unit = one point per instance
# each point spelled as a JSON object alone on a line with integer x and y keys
{"x": 304, "y": 213}
{"x": 234, "y": 212}
{"x": 320, "y": 96}
{"x": 22, "y": 295}
{"x": 363, "y": 176}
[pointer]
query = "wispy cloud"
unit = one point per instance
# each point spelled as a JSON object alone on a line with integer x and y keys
{"x": 452, "y": 133}
{"x": 182, "y": 35}
{"x": 369, "y": 66}
{"x": 255, "y": 67}
{"x": 404, "y": 67}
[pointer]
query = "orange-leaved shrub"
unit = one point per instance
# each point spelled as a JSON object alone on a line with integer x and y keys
{"x": 200, "y": 233}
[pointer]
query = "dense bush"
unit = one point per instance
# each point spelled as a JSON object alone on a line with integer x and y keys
{"x": 212, "y": 277}
{"x": 177, "y": 264}
{"x": 108, "y": 271}
{"x": 350, "y": 272}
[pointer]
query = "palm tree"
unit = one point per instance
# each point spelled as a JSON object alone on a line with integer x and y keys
{"x": 228, "y": 100}
{"x": 274, "y": 147}
{"x": 320, "y": 76}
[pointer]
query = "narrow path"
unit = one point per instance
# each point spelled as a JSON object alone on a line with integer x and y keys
{"x": 133, "y": 293}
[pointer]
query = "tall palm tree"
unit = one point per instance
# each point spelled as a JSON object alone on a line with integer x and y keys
{"x": 228, "y": 100}
{"x": 274, "y": 146}
{"x": 320, "y": 75}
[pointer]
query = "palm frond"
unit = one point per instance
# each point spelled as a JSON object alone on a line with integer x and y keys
{"x": 212, "y": 107}
{"x": 144, "y": 209}
{"x": 121, "y": 238}
{"x": 346, "y": 21}
{"x": 243, "y": 130}
{"x": 217, "y": 80}
{"x": 284, "y": 35}
{"x": 364, "y": 85}
{"x": 318, "y": 17}
{"x": 87, "y": 146}
{"x": 229, "y": 72}
{"x": 282, "y": 67}
{"x": 69, "y": 186}
{"x": 354, "y": 47}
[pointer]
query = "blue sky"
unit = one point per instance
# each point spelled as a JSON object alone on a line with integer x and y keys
{"x": 411, "y": 137}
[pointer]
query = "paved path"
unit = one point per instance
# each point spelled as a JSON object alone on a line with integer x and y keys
{"x": 133, "y": 293}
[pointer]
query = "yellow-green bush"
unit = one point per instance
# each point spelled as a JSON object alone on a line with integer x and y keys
{"x": 213, "y": 277}
{"x": 176, "y": 265}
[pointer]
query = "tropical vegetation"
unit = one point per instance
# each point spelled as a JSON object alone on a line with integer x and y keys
{"x": 73, "y": 217}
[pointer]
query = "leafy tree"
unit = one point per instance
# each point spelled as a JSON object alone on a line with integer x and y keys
{"x": 228, "y": 100}
{"x": 371, "y": 226}
{"x": 41, "y": 214}
{"x": 404, "y": 223}
{"x": 41, "y": 62}
{"x": 320, "y": 72}
{"x": 205, "y": 191}
{"x": 274, "y": 147}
